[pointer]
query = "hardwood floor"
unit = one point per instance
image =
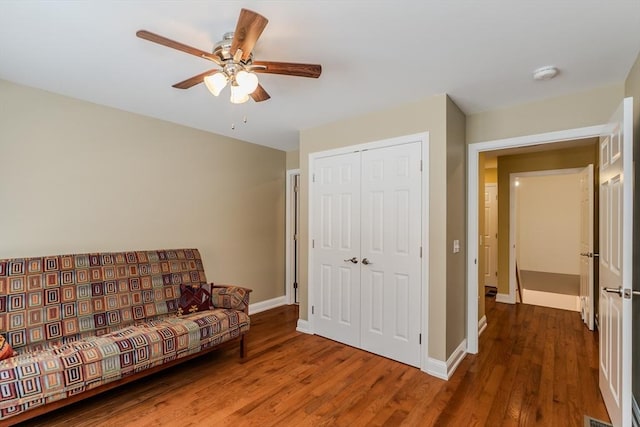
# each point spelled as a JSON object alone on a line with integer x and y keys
{"x": 536, "y": 366}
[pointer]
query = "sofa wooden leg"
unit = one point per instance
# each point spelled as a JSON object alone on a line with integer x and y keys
{"x": 243, "y": 347}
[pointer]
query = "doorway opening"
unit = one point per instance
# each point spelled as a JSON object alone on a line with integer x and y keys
{"x": 545, "y": 236}
{"x": 292, "y": 231}
{"x": 540, "y": 142}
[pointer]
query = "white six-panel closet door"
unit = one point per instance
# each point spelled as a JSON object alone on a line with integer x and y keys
{"x": 336, "y": 234}
{"x": 391, "y": 238}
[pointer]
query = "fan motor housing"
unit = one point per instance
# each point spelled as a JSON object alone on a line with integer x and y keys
{"x": 222, "y": 49}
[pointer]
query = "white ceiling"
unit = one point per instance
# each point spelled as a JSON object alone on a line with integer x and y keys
{"x": 374, "y": 54}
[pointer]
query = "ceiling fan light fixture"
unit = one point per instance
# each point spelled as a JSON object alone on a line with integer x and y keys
{"x": 247, "y": 81}
{"x": 216, "y": 82}
{"x": 238, "y": 95}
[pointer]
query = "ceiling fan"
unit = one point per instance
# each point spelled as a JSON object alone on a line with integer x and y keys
{"x": 235, "y": 58}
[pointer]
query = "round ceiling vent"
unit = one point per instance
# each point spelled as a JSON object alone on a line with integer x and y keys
{"x": 545, "y": 73}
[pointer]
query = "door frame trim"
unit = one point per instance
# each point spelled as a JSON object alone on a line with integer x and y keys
{"x": 289, "y": 209}
{"x": 473, "y": 151}
{"x": 423, "y": 138}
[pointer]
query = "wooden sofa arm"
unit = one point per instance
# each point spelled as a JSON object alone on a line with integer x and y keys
{"x": 243, "y": 343}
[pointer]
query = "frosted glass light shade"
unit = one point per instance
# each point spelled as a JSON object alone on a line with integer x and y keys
{"x": 238, "y": 95}
{"x": 247, "y": 81}
{"x": 215, "y": 83}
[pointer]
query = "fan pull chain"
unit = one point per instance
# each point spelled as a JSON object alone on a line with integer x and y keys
{"x": 244, "y": 119}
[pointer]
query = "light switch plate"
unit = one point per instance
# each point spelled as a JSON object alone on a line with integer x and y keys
{"x": 456, "y": 246}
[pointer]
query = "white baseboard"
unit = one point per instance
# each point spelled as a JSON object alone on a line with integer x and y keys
{"x": 304, "y": 327}
{"x": 444, "y": 370}
{"x": 437, "y": 368}
{"x": 505, "y": 298}
{"x": 260, "y": 306}
{"x": 482, "y": 325}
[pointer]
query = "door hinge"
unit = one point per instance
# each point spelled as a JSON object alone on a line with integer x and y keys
{"x": 420, "y": 165}
{"x": 296, "y": 189}
{"x": 295, "y": 237}
{"x": 419, "y": 338}
{"x": 313, "y": 177}
{"x": 420, "y": 251}
{"x": 313, "y": 243}
{"x": 295, "y": 285}
{"x": 312, "y": 309}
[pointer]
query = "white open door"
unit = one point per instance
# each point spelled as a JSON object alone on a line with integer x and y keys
{"x": 337, "y": 248}
{"x": 586, "y": 246}
{"x": 616, "y": 224}
{"x": 490, "y": 237}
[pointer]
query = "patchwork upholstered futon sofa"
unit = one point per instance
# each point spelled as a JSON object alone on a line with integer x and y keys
{"x": 75, "y": 325}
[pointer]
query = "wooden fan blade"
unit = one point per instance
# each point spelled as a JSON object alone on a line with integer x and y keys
{"x": 155, "y": 38}
{"x": 190, "y": 82}
{"x": 248, "y": 29}
{"x": 259, "y": 94}
{"x": 288, "y": 68}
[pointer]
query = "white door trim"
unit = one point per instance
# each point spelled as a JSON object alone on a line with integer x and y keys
{"x": 289, "y": 267}
{"x": 513, "y": 198}
{"x": 472, "y": 208}
{"x": 423, "y": 138}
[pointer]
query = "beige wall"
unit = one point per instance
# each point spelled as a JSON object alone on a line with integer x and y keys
{"x": 456, "y": 227}
{"x": 548, "y": 223}
{"x": 77, "y": 177}
{"x": 632, "y": 88}
{"x": 589, "y": 108}
{"x": 293, "y": 159}
{"x": 545, "y": 160}
{"x": 426, "y": 115}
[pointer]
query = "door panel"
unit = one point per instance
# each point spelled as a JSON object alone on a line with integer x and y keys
{"x": 336, "y": 231}
{"x": 391, "y": 238}
{"x": 490, "y": 238}
{"x": 616, "y": 225}
{"x": 586, "y": 246}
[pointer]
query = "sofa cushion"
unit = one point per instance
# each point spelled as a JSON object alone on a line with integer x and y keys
{"x": 33, "y": 379}
{"x": 193, "y": 298}
{"x": 64, "y": 298}
{"x": 230, "y": 297}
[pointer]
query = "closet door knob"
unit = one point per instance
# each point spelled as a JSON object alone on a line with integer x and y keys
{"x": 353, "y": 260}
{"x": 366, "y": 261}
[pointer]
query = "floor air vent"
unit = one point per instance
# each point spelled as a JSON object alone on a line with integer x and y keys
{"x": 592, "y": 422}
